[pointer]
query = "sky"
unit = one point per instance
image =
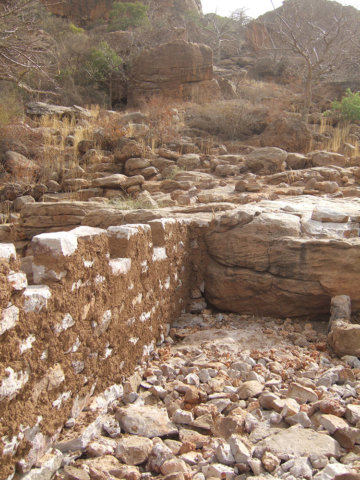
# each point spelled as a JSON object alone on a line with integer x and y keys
{"x": 254, "y": 8}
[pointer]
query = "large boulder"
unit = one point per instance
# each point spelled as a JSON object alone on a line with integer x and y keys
{"x": 323, "y": 159}
{"x": 20, "y": 167}
{"x": 179, "y": 70}
{"x": 266, "y": 161}
{"x": 290, "y": 134}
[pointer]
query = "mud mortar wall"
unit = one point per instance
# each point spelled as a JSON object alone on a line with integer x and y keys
{"x": 99, "y": 303}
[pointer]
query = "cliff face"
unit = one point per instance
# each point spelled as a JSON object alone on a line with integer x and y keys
{"x": 82, "y": 12}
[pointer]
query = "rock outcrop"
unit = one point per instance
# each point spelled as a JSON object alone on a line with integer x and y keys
{"x": 270, "y": 259}
{"x": 180, "y": 70}
{"x": 83, "y": 12}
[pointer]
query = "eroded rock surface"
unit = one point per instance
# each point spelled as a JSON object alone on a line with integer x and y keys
{"x": 178, "y": 69}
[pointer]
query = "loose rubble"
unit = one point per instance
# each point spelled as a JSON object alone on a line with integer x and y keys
{"x": 222, "y": 409}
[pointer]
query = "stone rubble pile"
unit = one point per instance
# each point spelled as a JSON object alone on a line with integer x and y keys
{"x": 204, "y": 409}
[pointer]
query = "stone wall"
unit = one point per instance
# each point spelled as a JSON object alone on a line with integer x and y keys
{"x": 100, "y": 301}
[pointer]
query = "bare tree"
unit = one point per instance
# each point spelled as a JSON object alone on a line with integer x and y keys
{"x": 226, "y": 30}
{"x": 322, "y": 33}
{"x": 23, "y": 48}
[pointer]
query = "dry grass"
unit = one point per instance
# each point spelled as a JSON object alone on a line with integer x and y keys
{"x": 338, "y": 136}
{"x": 56, "y": 154}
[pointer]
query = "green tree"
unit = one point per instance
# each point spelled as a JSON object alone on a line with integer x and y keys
{"x": 105, "y": 68}
{"x": 125, "y": 16}
{"x": 349, "y": 107}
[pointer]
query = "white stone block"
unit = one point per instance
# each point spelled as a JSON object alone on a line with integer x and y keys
{"x": 87, "y": 233}
{"x": 145, "y": 316}
{"x": 99, "y": 279}
{"x": 7, "y": 250}
{"x": 66, "y": 323}
{"x": 17, "y": 280}
{"x": 10, "y": 316}
{"x": 120, "y": 266}
{"x": 123, "y": 232}
{"x": 13, "y": 382}
{"x": 159, "y": 253}
{"x": 11, "y": 444}
{"x": 57, "y": 244}
{"x": 36, "y": 297}
{"x": 62, "y": 398}
{"x": 41, "y": 273}
{"x": 27, "y": 344}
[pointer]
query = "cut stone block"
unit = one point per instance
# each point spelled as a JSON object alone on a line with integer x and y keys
{"x": 36, "y": 297}
{"x": 160, "y": 230}
{"x": 87, "y": 233}
{"x": 56, "y": 244}
{"x": 17, "y": 280}
{"x": 7, "y": 250}
{"x": 120, "y": 266}
{"x": 122, "y": 239}
{"x": 10, "y": 316}
{"x": 13, "y": 382}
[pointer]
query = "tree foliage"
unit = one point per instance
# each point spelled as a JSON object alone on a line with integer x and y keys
{"x": 349, "y": 106}
{"x": 125, "y": 16}
{"x": 104, "y": 67}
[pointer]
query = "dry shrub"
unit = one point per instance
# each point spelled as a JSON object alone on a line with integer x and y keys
{"x": 164, "y": 120}
{"x": 229, "y": 120}
{"x": 110, "y": 131}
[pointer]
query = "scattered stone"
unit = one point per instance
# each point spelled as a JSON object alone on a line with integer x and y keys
{"x": 250, "y": 389}
{"x": 146, "y": 421}
{"x": 133, "y": 450}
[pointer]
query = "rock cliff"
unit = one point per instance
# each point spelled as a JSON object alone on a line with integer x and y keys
{"x": 82, "y": 12}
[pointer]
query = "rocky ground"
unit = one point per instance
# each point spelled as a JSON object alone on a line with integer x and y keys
{"x": 229, "y": 397}
{"x": 224, "y": 395}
